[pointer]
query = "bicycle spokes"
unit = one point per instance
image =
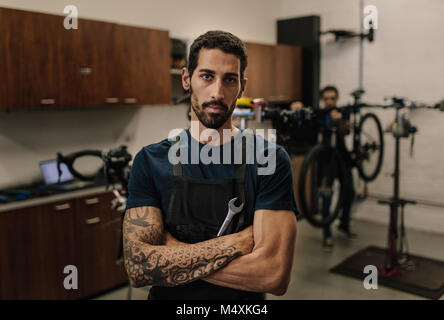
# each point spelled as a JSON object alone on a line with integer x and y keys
{"x": 369, "y": 151}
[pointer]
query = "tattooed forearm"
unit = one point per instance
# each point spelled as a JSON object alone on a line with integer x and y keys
{"x": 148, "y": 262}
{"x": 180, "y": 265}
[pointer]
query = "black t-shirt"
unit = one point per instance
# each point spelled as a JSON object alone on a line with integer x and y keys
{"x": 151, "y": 178}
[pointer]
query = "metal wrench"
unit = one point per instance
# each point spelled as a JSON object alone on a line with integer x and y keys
{"x": 232, "y": 211}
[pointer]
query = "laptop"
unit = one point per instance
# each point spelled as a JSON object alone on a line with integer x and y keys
{"x": 50, "y": 175}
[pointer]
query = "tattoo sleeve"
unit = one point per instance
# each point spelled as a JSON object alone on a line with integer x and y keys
{"x": 149, "y": 262}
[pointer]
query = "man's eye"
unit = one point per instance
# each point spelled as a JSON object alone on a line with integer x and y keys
{"x": 206, "y": 76}
{"x": 231, "y": 80}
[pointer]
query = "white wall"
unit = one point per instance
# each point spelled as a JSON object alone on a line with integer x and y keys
{"x": 404, "y": 60}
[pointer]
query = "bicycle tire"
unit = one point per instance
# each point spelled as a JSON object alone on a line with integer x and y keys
{"x": 310, "y": 161}
{"x": 364, "y": 175}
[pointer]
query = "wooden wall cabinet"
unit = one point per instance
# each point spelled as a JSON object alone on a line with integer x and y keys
{"x": 28, "y": 59}
{"x": 260, "y": 70}
{"x": 288, "y": 73}
{"x": 11, "y": 31}
{"x": 44, "y": 65}
{"x": 144, "y": 59}
{"x": 274, "y": 72}
{"x": 89, "y": 72}
{"x": 38, "y": 242}
{"x": 39, "y": 67}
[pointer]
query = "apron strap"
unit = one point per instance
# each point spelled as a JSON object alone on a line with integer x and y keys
{"x": 177, "y": 168}
{"x": 240, "y": 168}
{"x": 240, "y": 179}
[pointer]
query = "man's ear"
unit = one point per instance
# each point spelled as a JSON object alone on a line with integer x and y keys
{"x": 186, "y": 79}
{"x": 243, "y": 86}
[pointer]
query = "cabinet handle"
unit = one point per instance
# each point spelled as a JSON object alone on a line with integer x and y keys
{"x": 92, "y": 201}
{"x": 92, "y": 220}
{"x": 130, "y": 100}
{"x": 62, "y": 207}
{"x": 111, "y": 100}
{"x": 85, "y": 71}
{"x": 47, "y": 101}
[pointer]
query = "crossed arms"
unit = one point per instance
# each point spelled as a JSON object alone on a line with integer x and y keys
{"x": 258, "y": 258}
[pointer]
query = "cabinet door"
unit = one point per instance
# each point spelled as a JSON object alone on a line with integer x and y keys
{"x": 259, "y": 71}
{"x": 10, "y": 264}
{"x": 144, "y": 63}
{"x": 287, "y": 73}
{"x": 98, "y": 234}
{"x": 11, "y": 49}
{"x": 59, "y": 241}
{"x": 38, "y": 85}
{"x": 99, "y": 269}
{"x": 88, "y": 69}
{"x": 37, "y": 243}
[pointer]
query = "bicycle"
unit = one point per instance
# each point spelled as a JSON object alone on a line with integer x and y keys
{"x": 325, "y": 195}
{"x": 368, "y": 144}
{"x": 289, "y": 125}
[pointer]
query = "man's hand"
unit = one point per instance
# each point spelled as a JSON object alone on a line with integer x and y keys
{"x": 267, "y": 268}
{"x": 344, "y": 128}
{"x": 335, "y": 114}
{"x": 297, "y": 105}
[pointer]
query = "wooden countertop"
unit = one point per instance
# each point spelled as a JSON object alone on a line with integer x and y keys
{"x": 52, "y": 198}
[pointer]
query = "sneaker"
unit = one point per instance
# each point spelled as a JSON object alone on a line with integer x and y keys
{"x": 327, "y": 243}
{"x": 349, "y": 234}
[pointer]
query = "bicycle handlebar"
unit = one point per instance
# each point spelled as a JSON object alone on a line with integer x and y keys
{"x": 302, "y": 115}
{"x": 69, "y": 161}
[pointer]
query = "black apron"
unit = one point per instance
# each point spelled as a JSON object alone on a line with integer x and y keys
{"x": 196, "y": 211}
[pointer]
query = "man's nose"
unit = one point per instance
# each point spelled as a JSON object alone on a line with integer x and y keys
{"x": 217, "y": 90}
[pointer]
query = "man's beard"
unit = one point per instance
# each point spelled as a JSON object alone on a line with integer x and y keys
{"x": 212, "y": 120}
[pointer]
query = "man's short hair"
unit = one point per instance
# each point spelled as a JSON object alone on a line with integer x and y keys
{"x": 330, "y": 88}
{"x": 222, "y": 40}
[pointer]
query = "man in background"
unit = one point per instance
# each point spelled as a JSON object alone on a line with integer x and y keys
{"x": 329, "y": 100}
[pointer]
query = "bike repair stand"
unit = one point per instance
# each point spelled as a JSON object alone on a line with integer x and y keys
{"x": 397, "y": 260}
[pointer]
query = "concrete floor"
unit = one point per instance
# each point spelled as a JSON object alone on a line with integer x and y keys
{"x": 310, "y": 277}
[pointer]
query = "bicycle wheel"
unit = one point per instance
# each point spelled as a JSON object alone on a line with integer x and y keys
{"x": 371, "y": 147}
{"x": 321, "y": 185}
